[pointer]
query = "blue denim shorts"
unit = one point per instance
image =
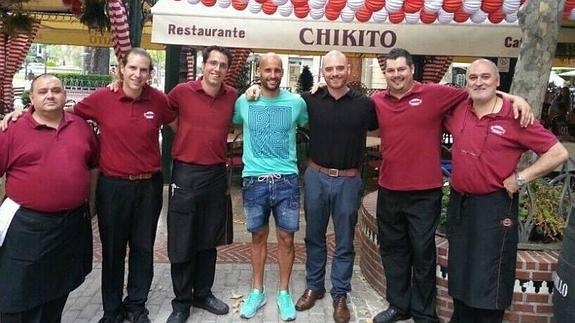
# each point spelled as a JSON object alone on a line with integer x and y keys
{"x": 278, "y": 194}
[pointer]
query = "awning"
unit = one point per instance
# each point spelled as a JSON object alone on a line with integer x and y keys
{"x": 436, "y": 27}
{"x": 65, "y": 29}
{"x": 568, "y": 74}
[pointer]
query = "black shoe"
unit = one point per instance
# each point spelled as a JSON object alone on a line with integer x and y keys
{"x": 140, "y": 316}
{"x": 178, "y": 317}
{"x": 212, "y": 305}
{"x": 117, "y": 319}
{"x": 392, "y": 314}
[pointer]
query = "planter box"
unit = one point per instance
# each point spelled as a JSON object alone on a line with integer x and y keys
{"x": 533, "y": 278}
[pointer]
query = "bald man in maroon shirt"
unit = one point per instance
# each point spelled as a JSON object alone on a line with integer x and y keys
{"x": 482, "y": 220}
{"x": 47, "y": 251}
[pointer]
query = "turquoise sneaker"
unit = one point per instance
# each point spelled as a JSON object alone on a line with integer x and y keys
{"x": 256, "y": 300}
{"x": 286, "y": 306}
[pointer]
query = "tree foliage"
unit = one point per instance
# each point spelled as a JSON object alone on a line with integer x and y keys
{"x": 305, "y": 80}
{"x": 243, "y": 81}
{"x": 14, "y": 20}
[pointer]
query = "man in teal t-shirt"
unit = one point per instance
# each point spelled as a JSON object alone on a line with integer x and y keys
{"x": 270, "y": 179}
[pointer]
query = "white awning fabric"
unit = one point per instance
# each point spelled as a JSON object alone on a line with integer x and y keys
{"x": 195, "y": 24}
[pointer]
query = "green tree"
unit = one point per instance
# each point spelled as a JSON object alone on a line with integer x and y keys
{"x": 305, "y": 80}
{"x": 243, "y": 81}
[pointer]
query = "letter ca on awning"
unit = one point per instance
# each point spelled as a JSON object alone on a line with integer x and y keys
{"x": 183, "y": 23}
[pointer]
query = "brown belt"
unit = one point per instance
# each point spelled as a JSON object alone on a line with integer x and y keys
{"x": 136, "y": 177}
{"x": 334, "y": 172}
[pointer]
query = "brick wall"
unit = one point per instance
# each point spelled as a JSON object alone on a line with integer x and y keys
{"x": 533, "y": 280}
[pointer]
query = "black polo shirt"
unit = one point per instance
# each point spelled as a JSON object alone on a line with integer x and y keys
{"x": 338, "y": 128}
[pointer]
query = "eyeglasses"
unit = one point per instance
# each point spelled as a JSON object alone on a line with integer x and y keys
{"x": 216, "y": 64}
{"x": 475, "y": 153}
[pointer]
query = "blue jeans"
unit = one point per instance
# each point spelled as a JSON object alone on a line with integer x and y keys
{"x": 338, "y": 197}
{"x": 278, "y": 194}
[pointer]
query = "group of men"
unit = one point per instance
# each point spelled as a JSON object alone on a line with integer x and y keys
{"x": 47, "y": 157}
{"x": 410, "y": 116}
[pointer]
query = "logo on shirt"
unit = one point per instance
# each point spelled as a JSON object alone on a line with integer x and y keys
{"x": 507, "y": 222}
{"x": 415, "y": 102}
{"x": 149, "y": 115}
{"x": 497, "y": 129}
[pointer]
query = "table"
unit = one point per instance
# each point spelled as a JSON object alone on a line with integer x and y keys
{"x": 234, "y": 137}
{"x": 372, "y": 141}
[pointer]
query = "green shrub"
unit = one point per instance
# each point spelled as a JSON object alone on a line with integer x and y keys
{"x": 544, "y": 222}
{"x": 25, "y": 98}
{"x": 548, "y": 223}
{"x": 84, "y": 80}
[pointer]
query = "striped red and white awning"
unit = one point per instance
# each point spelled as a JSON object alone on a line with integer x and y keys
{"x": 119, "y": 27}
{"x": 13, "y": 50}
{"x": 240, "y": 56}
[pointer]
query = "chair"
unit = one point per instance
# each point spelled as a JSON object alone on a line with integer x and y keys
{"x": 370, "y": 168}
{"x": 234, "y": 161}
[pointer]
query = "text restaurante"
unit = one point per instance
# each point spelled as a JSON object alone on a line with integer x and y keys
{"x": 208, "y": 32}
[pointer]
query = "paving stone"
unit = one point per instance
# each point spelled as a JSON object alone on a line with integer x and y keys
{"x": 233, "y": 275}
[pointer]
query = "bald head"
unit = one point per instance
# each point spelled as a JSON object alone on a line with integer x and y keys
{"x": 482, "y": 80}
{"x": 43, "y": 77}
{"x": 483, "y": 63}
{"x": 47, "y": 95}
{"x": 270, "y": 71}
{"x": 270, "y": 57}
{"x": 335, "y": 70}
{"x": 334, "y": 55}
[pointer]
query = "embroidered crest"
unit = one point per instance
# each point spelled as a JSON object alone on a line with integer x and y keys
{"x": 507, "y": 222}
{"x": 497, "y": 129}
{"x": 149, "y": 115}
{"x": 415, "y": 102}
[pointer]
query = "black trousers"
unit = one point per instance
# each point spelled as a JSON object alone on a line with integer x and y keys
{"x": 467, "y": 314}
{"x": 407, "y": 222}
{"x": 193, "y": 279}
{"x": 49, "y": 312}
{"x": 128, "y": 213}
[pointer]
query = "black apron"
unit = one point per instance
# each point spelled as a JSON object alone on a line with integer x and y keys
{"x": 45, "y": 256}
{"x": 482, "y": 231}
{"x": 199, "y": 211}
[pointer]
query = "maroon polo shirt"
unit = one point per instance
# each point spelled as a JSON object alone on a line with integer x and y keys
{"x": 129, "y": 129}
{"x": 203, "y": 123}
{"x": 47, "y": 169}
{"x": 410, "y": 130}
{"x": 486, "y": 151}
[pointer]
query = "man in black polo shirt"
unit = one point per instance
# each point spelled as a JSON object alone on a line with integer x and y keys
{"x": 339, "y": 119}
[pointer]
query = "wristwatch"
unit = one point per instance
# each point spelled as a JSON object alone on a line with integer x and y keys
{"x": 520, "y": 181}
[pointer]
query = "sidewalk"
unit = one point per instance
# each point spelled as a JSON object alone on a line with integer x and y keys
{"x": 84, "y": 304}
{"x": 233, "y": 276}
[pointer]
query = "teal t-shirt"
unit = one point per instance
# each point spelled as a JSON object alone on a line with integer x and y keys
{"x": 269, "y": 133}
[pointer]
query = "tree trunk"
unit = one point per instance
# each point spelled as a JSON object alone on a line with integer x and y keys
{"x": 101, "y": 61}
{"x": 96, "y": 60}
{"x": 540, "y": 21}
